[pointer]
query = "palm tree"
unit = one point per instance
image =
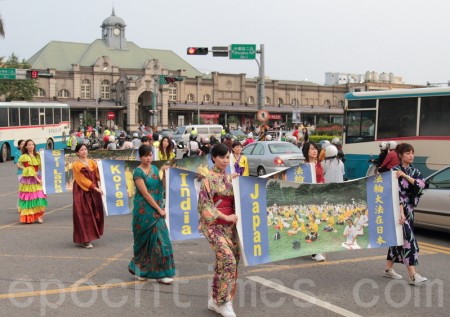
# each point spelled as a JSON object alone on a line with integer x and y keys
{"x": 2, "y": 31}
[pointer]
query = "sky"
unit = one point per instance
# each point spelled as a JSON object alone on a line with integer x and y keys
{"x": 302, "y": 39}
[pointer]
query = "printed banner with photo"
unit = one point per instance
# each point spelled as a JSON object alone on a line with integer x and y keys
{"x": 281, "y": 220}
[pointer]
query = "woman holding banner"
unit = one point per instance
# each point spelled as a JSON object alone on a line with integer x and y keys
{"x": 88, "y": 219}
{"x": 411, "y": 184}
{"x": 218, "y": 224}
{"x": 152, "y": 249}
{"x": 32, "y": 200}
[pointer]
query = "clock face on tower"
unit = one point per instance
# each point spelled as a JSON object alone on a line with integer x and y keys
{"x": 116, "y": 31}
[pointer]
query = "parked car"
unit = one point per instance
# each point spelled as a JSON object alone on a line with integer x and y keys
{"x": 265, "y": 157}
{"x": 433, "y": 210}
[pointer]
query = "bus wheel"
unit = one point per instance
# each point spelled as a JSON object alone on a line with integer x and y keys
{"x": 49, "y": 145}
{"x": 4, "y": 153}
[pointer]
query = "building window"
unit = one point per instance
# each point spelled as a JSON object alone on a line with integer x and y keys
{"x": 86, "y": 89}
{"x": 294, "y": 102}
{"x": 190, "y": 98}
{"x": 268, "y": 101}
{"x": 251, "y": 100}
{"x": 206, "y": 98}
{"x": 63, "y": 93}
{"x": 105, "y": 90}
{"x": 280, "y": 101}
{"x": 173, "y": 92}
{"x": 327, "y": 103}
{"x": 40, "y": 93}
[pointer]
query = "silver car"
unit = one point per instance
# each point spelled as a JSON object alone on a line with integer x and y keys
{"x": 265, "y": 157}
{"x": 433, "y": 210}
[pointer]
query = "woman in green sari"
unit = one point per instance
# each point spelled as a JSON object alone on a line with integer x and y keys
{"x": 153, "y": 255}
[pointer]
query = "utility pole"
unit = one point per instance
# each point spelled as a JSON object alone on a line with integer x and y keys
{"x": 154, "y": 100}
{"x": 261, "y": 85}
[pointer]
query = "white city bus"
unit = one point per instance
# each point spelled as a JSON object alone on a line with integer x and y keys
{"x": 420, "y": 117}
{"x": 47, "y": 124}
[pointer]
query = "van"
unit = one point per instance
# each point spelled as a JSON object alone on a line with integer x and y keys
{"x": 203, "y": 130}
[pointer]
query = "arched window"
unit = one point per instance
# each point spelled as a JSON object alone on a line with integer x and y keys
{"x": 190, "y": 98}
{"x": 251, "y": 100}
{"x": 268, "y": 101}
{"x": 280, "y": 101}
{"x": 85, "y": 89}
{"x": 327, "y": 102}
{"x": 206, "y": 98}
{"x": 173, "y": 92}
{"x": 63, "y": 93}
{"x": 294, "y": 102}
{"x": 105, "y": 90}
{"x": 341, "y": 103}
{"x": 40, "y": 93}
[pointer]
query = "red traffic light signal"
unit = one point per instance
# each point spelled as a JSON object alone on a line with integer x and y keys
{"x": 197, "y": 51}
{"x": 32, "y": 74}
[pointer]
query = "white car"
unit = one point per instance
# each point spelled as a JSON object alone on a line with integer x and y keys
{"x": 433, "y": 210}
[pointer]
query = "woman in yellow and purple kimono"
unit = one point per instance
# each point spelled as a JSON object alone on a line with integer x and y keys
{"x": 32, "y": 200}
{"x": 218, "y": 224}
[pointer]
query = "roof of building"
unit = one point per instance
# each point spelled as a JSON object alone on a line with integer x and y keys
{"x": 62, "y": 55}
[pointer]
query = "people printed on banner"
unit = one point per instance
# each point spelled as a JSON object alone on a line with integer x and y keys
{"x": 238, "y": 160}
{"x": 152, "y": 249}
{"x": 350, "y": 232}
{"x": 411, "y": 185}
{"x": 218, "y": 224}
{"x": 32, "y": 200}
{"x": 88, "y": 217}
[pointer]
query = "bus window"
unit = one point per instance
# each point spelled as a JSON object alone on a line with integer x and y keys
{"x": 34, "y": 115}
{"x": 13, "y": 117}
{"x": 360, "y": 126}
{"x": 365, "y": 104}
{"x": 65, "y": 114}
{"x": 435, "y": 116}
{"x": 49, "y": 116}
{"x": 24, "y": 116}
{"x": 3, "y": 117}
{"x": 397, "y": 118}
{"x": 57, "y": 113}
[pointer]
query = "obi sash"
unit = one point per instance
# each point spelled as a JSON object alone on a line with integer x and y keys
{"x": 36, "y": 168}
{"x": 225, "y": 204}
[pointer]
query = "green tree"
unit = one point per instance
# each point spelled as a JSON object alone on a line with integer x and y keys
{"x": 17, "y": 89}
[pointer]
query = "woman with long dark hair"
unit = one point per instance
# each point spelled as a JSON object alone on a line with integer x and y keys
{"x": 411, "y": 184}
{"x": 32, "y": 200}
{"x": 88, "y": 218}
{"x": 166, "y": 149}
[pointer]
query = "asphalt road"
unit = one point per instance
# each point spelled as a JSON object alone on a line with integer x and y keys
{"x": 42, "y": 273}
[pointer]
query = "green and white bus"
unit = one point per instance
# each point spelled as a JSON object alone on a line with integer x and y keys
{"x": 420, "y": 117}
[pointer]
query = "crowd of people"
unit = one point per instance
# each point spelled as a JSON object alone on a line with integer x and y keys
{"x": 153, "y": 256}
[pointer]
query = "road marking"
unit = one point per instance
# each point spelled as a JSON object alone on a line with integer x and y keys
{"x": 101, "y": 267}
{"x": 313, "y": 300}
{"x": 46, "y": 213}
{"x": 434, "y": 247}
{"x": 269, "y": 268}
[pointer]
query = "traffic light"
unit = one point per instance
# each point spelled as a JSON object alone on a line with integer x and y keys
{"x": 32, "y": 74}
{"x": 197, "y": 51}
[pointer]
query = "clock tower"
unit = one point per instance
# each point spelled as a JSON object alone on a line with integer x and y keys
{"x": 113, "y": 32}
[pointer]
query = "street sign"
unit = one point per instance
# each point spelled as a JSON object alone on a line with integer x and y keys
{"x": 243, "y": 51}
{"x": 7, "y": 73}
{"x": 220, "y": 51}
